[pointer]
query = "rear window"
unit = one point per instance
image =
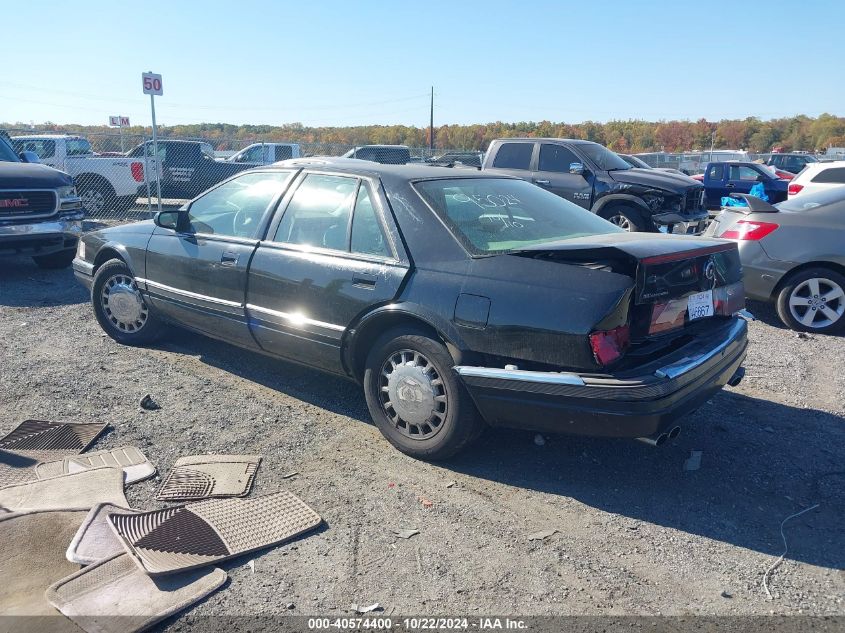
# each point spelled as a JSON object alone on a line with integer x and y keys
{"x": 497, "y": 215}
{"x": 514, "y": 156}
{"x": 832, "y": 175}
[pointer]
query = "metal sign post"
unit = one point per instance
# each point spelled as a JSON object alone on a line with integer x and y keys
{"x": 152, "y": 86}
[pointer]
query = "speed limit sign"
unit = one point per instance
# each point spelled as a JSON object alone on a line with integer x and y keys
{"x": 152, "y": 84}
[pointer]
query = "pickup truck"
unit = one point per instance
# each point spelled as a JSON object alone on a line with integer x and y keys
{"x": 259, "y": 154}
{"x": 186, "y": 168}
{"x": 593, "y": 177}
{"x": 40, "y": 212}
{"x": 104, "y": 183}
{"x": 723, "y": 179}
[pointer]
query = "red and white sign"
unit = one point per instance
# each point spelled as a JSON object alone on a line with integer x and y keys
{"x": 119, "y": 121}
{"x": 151, "y": 84}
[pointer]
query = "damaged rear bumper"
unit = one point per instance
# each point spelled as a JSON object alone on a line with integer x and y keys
{"x": 611, "y": 406}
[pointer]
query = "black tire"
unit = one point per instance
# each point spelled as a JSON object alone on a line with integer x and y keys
{"x": 144, "y": 329}
{"x": 812, "y": 285}
{"x": 98, "y": 197}
{"x": 627, "y": 218}
{"x": 61, "y": 259}
{"x": 460, "y": 422}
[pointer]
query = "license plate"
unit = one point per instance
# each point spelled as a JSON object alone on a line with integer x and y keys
{"x": 700, "y": 305}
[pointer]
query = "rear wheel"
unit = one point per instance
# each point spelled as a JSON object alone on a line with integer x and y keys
{"x": 415, "y": 398}
{"x": 62, "y": 259}
{"x": 627, "y": 218}
{"x": 813, "y": 300}
{"x": 120, "y": 308}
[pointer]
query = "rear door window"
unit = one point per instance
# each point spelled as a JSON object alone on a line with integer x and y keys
{"x": 514, "y": 156}
{"x": 832, "y": 175}
{"x": 319, "y": 212}
{"x": 556, "y": 158}
{"x": 367, "y": 233}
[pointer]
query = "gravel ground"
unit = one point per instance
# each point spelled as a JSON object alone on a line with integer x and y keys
{"x": 636, "y": 533}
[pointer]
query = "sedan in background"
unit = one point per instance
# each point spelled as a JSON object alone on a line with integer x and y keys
{"x": 793, "y": 254}
{"x": 455, "y": 298}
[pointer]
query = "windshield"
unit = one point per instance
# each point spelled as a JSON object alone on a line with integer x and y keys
{"x": 603, "y": 157}
{"x": 497, "y": 215}
{"x": 7, "y": 154}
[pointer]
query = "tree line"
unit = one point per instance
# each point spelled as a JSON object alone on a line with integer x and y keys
{"x": 753, "y": 134}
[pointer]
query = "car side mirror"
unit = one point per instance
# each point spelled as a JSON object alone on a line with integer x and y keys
{"x": 174, "y": 220}
{"x": 576, "y": 168}
{"x": 29, "y": 157}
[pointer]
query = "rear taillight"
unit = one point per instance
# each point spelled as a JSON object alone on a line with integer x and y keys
{"x": 749, "y": 230}
{"x": 794, "y": 188}
{"x": 609, "y": 345}
{"x": 137, "y": 171}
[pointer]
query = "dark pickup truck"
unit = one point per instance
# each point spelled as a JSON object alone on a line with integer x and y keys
{"x": 187, "y": 168}
{"x": 40, "y": 212}
{"x": 723, "y": 179}
{"x": 593, "y": 177}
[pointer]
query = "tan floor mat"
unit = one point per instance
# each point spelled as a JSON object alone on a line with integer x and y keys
{"x": 188, "y": 536}
{"x": 76, "y": 490}
{"x": 114, "y": 596}
{"x": 32, "y": 557}
{"x": 50, "y": 437}
{"x": 203, "y": 476}
{"x": 135, "y": 465}
{"x": 95, "y": 540}
{"x": 16, "y": 468}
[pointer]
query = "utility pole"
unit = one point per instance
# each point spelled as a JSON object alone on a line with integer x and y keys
{"x": 431, "y": 125}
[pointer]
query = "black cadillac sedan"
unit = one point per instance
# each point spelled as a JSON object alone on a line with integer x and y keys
{"x": 455, "y": 298}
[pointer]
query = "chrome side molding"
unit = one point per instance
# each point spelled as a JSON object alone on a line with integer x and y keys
{"x": 519, "y": 375}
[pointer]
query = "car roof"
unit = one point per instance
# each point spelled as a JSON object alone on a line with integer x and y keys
{"x": 411, "y": 171}
{"x": 44, "y": 136}
{"x": 526, "y": 139}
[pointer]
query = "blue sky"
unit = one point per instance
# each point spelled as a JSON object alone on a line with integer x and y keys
{"x": 348, "y": 63}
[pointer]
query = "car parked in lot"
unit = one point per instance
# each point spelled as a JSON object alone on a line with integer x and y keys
{"x": 595, "y": 178}
{"x": 793, "y": 254}
{"x": 818, "y": 177}
{"x": 638, "y": 163}
{"x": 447, "y": 159}
{"x": 40, "y": 212}
{"x": 186, "y": 168}
{"x": 104, "y": 183}
{"x": 386, "y": 154}
{"x": 723, "y": 179}
{"x": 259, "y": 154}
{"x": 454, "y": 297}
{"x": 791, "y": 162}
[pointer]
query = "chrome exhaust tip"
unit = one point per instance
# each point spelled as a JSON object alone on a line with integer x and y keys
{"x": 658, "y": 439}
{"x": 674, "y": 432}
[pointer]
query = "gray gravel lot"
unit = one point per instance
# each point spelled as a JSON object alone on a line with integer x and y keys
{"x": 636, "y": 533}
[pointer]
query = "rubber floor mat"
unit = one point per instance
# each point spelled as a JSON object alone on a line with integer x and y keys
{"x": 76, "y": 490}
{"x": 203, "y": 476}
{"x": 188, "y": 536}
{"x": 136, "y": 467}
{"x": 114, "y": 596}
{"x": 95, "y": 540}
{"x": 38, "y": 436}
{"x": 32, "y": 557}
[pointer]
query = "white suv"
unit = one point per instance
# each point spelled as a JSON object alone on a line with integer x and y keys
{"x": 818, "y": 177}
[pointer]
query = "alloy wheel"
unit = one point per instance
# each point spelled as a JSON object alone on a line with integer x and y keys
{"x": 93, "y": 201}
{"x": 122, "y": 304}
{"x": 817, "y": 302}
{"x": 413, "y": 394}
{"x": 621, "y": 221}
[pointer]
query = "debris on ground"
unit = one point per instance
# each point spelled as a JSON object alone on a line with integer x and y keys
{"x": 451, "y": 483}
{"x": 251, "y": 565}
{"x": 368, "y": 609}
{"x": 542, "y": 534}
{"x": 148, "y": 404}
{"x": 693, "y": 462}
{"x": 289, "y": 475}
{"x": 407, "y": 533}
{"x": 727, "y": 594}
{"x": 777, "y": 563}
{"x": 426, "y": 502}
{"x": 539, "y": 440}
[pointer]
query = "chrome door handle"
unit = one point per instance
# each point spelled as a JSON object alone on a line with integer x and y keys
{"x": 229, "y": 258}
{"x": 364, "y": 280}
{"x": 541, "y": 182}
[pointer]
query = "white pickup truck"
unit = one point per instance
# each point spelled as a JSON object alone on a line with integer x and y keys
{"x": 104, "y": 183}
{"x": 265, "y": 153}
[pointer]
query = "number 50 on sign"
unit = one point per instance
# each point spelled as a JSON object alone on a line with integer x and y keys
{"x": 152, "y": 84}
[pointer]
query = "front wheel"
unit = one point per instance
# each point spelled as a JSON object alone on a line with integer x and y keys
{"x": 62, "y": 259}
{"x": 813, "y": 300}
{"x": 120, "y": 308}
{"x": 625, "y": 217}
{"x": 415, "y": 398}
